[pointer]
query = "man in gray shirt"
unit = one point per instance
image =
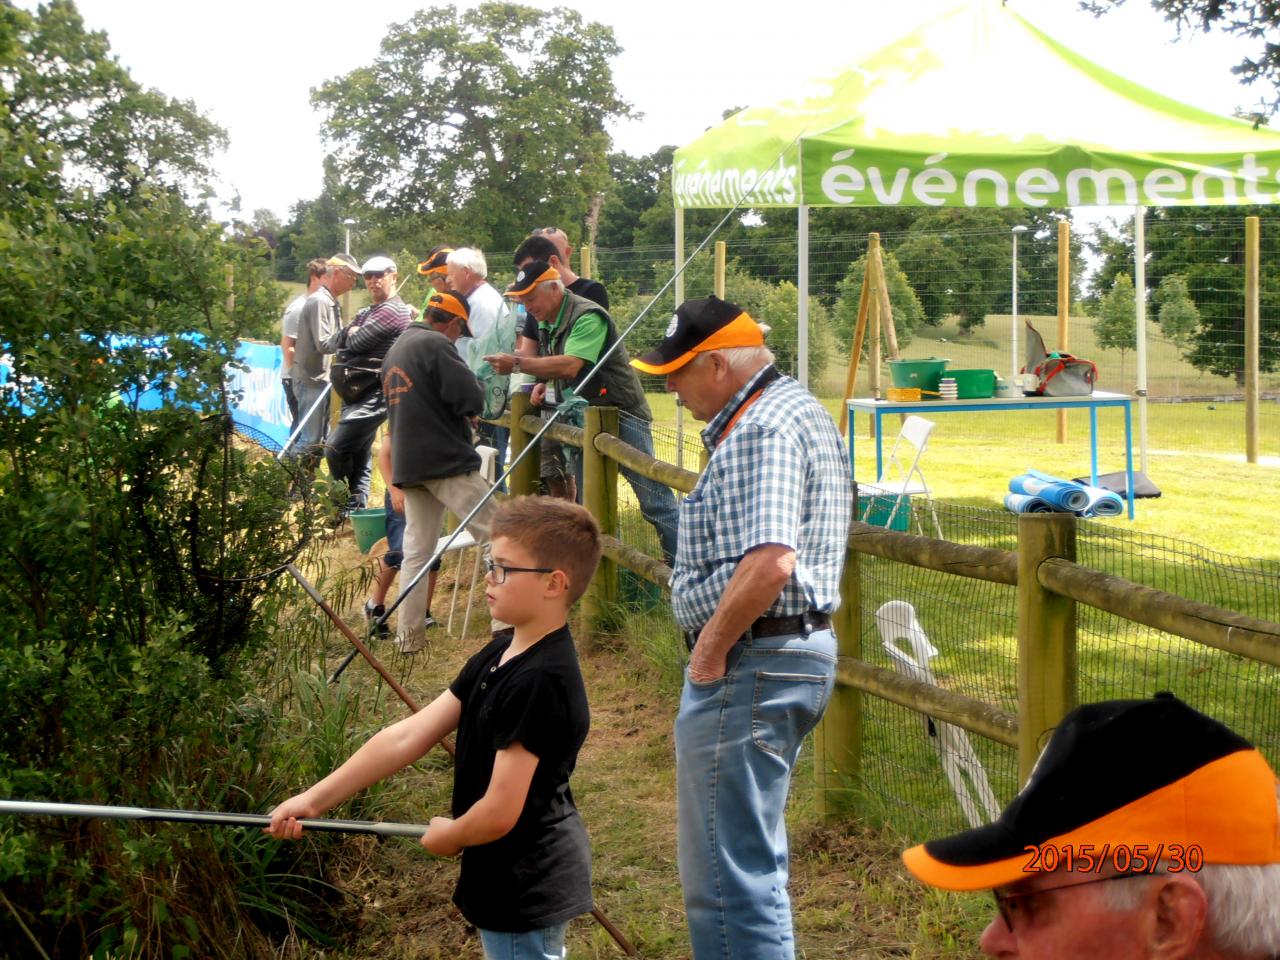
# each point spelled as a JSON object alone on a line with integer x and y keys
{"x": 289, "y": 336}
{"x": 320, "y": 319}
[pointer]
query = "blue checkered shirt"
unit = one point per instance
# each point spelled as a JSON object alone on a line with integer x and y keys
{"x": 781, "y": 475}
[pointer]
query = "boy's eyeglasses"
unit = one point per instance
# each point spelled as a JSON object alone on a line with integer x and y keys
{"x": 497, "y": 572}
{"x": 1012, "y": 906}
{"x": 375, "y": 274}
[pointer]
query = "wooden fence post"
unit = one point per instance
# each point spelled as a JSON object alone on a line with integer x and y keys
{"x": 838, "y": 740}
{"x": 524, "y": 477}
{"x": 1046, "y": 635}
{"x": 600, "y": 497}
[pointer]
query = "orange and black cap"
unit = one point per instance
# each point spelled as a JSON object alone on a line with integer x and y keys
{"x": 696, "y": 327}
{"x": 530, "y": 275}
{"x": 1135, "y": 776}
{"x": 454, "y": 304}
{"x": 436, "y": 262}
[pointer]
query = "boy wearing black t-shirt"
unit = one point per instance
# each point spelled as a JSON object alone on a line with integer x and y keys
{"x": 520, "y": 709}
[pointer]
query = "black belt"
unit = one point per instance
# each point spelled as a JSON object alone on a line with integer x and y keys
{"x": 801, "y": 623}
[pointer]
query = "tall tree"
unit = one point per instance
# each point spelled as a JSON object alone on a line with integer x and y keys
{"x": 960, "y": 262}
{"x": 637, "y": 184}
{"x": 1115, "y": 325}
{"x": 488, "y": 121}
{"x": 111, "y": 134}
{"x": 108, "y": 647}
{"x": 1178, "y": 315}
{"x": 1207, "y": 248}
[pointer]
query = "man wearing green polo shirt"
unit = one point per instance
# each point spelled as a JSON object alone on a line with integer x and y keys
{"x": 574, "y": 337}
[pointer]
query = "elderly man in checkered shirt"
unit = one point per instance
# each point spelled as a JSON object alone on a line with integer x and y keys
{"x": 761, "y": 547}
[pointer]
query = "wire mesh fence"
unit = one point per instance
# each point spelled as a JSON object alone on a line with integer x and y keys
{"x": 973, "y": 627}
{"x": 952, "y": 297}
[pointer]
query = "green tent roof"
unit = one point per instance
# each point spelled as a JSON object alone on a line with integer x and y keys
{"x": 977, "y": 108}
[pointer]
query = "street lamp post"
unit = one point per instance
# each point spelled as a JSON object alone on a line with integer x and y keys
{"x": 1014, "y": 326}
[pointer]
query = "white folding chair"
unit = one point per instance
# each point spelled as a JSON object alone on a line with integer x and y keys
{"x": 901, "y": 483}
{"x": 897, "y": 621}
{"x": 488, "y": 470}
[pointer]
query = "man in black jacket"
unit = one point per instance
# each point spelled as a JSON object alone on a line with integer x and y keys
{"x": 433, "y": 400}
{"x": 361, "y": 347}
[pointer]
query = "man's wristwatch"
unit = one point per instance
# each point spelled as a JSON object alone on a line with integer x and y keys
{"x": 515, "y": 364}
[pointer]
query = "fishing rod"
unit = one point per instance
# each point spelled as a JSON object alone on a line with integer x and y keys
{"x": 381, "y": 828}
{"x": 302, "y": 423}
{"x": 217, "y": 818}
{"x": 573, "y": 403}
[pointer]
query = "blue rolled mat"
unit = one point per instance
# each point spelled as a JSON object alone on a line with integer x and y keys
{"x": 1021, "y": 503}
{"x": 1060, "y": 494}
{"x": 1102, "y": 503}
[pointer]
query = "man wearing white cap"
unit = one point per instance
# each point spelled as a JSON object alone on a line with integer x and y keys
{"x": 361, "y": 347}
{"x": 320, "y": 317}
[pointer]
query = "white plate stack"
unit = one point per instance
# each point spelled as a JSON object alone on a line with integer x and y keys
{"x": 947, "y": 389}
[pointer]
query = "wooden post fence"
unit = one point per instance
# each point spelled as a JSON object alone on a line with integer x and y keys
{"x": 1046, "y": 634}
{"x": 600, "y": 497}
{"x": 838, "y": 740}
{"x": 524, "y": 478}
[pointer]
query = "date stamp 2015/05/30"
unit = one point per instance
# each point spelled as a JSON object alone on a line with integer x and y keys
{"x": 1120, "y": 857}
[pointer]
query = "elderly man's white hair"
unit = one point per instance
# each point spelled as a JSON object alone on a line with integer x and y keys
{"x": 1243, "y": 913}
{"x": 471, "y": 258}
{"x": 742, "y": 359}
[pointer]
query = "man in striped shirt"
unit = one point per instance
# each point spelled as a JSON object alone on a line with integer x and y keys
{"x": 761, "y": 548}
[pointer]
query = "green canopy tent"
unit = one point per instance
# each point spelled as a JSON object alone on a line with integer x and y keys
{"x": 936, "y": 120}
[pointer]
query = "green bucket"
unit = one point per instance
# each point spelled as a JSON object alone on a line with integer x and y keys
{"x": 369, "y": 525}
{"x": 974, "y": 384}
{"x": 921, "y": 374}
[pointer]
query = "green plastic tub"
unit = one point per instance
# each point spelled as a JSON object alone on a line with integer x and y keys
{"x": 974, "y": 384}
{"x": 369, "y": 525}
{"x": 881, "y": 507}
{"x": 922, "y": 374}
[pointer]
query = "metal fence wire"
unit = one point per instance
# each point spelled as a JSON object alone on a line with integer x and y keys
{"x": 952, "y": 297}
{"x": 973, "y": 627}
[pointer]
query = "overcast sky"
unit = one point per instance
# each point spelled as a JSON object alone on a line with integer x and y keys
{"x": 250, "y": 64}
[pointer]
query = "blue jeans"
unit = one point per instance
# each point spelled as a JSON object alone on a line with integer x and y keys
{"x": 395, "y": 534}
{"x": 657, "y": 502}
{"x": 350, "y": 447}
{"x": 544, "y": 944}
{"x": 310, "y": 442}
{"x": 737, "y": 740}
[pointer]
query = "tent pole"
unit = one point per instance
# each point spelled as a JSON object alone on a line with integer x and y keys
{"x": 1064, "y": 306}
{"x": 802, "y": 285}
{"x": 679, "y": 294}
{"x": 1140, "y": 321}
{"x": 1252, "y": 238}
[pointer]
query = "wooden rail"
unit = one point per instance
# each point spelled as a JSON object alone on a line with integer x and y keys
{"x": 1043, "y": 571}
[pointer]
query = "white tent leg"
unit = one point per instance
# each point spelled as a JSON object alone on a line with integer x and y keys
{"x": 1140, "y": 318}
{"x": 679, "y": 289}
{"x": 802, "y": 278}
